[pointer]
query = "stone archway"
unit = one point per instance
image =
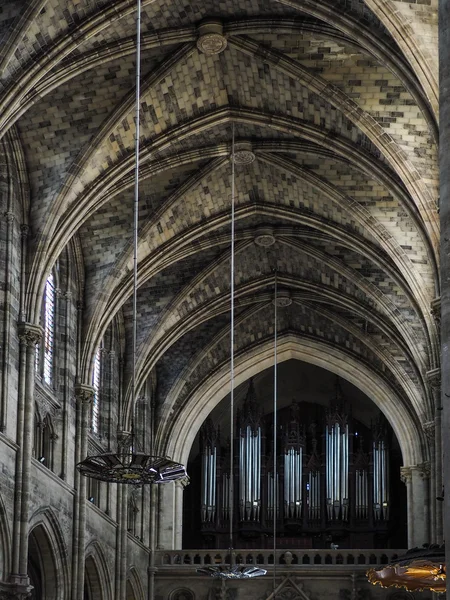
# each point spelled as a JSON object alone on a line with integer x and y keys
{"x": 97, "y": 580}
{"x": 133, "y": 587}
{"x": 42, "y": 568}
{"x": 207, "y": 395}
{"x": 92, "y": 583}
{"x": 4, "y": 542}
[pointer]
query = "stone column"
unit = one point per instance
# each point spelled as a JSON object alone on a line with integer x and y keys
{"x": 421, "y": 491}
{"x": 66, "y": 385}
{"x": 428, "y": 429}
{"x": 406, "y": 477}
{"x": 166, "y": 516}
{"x": 29, "y": 336}
{"x": 434, "y": 436}
{"x": 122, "y": 529}
{"x": 84, "y": 395}
{"x": 444, "y": 169}
{"x": 178, "y": 524}
{"x": 18, "y": 584}
{"x": 7, "y": 308}
{"x": 152, "y": 541}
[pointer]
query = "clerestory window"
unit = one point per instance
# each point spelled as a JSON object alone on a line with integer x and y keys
{"x": 44, "y": 362}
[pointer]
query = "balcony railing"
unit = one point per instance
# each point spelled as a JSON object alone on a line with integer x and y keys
{"x": 286, "y": 558}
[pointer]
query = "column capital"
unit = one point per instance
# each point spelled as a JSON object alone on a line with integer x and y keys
{"x": 406, "y": 474}
{"x": 428, "y": 429}
{"x": 30, "y": 334}
{"x": 84, "y": 393}
{"x": 424, "y": 470}
{"x": 16, "y": 590}
{"x": 183, "y": 483}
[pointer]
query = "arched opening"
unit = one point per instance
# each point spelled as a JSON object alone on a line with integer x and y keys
{"x": 92, "y": 582}
{"x": 42, "y": 571}
{"x": 4, "y": 543}
{"x": 338, "y": 465}
{"x": 134, "y": 588}
{"x": 130, "y": 595}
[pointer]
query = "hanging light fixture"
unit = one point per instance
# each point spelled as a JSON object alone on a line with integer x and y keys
{"x": 128, "y": 465}
{"x": 418, "y": 570}
{"x": 232, "y": 570}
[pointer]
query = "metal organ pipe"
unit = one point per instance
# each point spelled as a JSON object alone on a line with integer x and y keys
{"x": 209, "y": 470}
{"x": 293, "y": 482}
{"x": 337, "y": 470}
{"x": 250, "y": 474}
{"x": 380, "y": 481}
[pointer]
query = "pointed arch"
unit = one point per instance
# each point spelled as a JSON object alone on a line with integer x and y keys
{"x": 47, "y": 555}
{"x": 5, "y": 542}
{"x": 97, "y": 580}
{"x": 180, "y": 432}
{"x": 134, "y": 589}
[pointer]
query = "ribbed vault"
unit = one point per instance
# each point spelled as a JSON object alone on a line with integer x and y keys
{"x": 337, "y": 102}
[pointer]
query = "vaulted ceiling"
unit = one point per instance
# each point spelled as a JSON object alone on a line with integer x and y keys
{"x": 333, "y": 106}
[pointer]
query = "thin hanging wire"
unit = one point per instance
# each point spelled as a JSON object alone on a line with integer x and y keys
{"x": 232, "y": 345}
{"x": 136, "y": 200}
{"x": 275, "y": 425}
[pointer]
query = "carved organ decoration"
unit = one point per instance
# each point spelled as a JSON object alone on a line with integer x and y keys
{"x": 333, "y": 471}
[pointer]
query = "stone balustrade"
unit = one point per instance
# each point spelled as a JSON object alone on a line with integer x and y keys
{"x": 313, "y": 558}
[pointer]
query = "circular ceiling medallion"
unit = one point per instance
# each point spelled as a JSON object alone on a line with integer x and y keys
{"x": 212, "y": 43}
{"x": 243, "y": 153}
{"x": 283, "y": 299}
{"x": 244, "y": 157}
{"x": 210, "y": 38}
{"x": 264, "y": 238}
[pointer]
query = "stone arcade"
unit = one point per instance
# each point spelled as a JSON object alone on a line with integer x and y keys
{"x": 335, "y": 108}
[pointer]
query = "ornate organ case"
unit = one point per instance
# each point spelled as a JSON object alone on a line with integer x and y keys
{"x": 332, "y": 481}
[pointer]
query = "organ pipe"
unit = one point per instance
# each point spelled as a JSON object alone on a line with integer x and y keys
{"x": 250, "y": 474}
{"x": 209, "y": 484}
{"x": 209, "y": 439}
{"x": 337, "y": 466}
{"x": 380, "y": 480}
{"x": 313, "y": 487}
{"x": 293, "y": 483}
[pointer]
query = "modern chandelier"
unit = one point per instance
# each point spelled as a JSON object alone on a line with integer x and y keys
{"x": 233, "y": 570}
{"x": 127, "y": 465}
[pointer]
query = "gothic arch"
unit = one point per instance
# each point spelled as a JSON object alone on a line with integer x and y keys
{"x": 97, "y": 580}
{"x": 5, "y": 541}
{"x": 47, "y": 556}
{"x": 134, "y": 589}
{"x": 207, "y": 395}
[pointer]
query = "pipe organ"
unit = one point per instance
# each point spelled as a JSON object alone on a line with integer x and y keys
{"x": 336, "y": 466}
{"x": 332, "y": 473}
